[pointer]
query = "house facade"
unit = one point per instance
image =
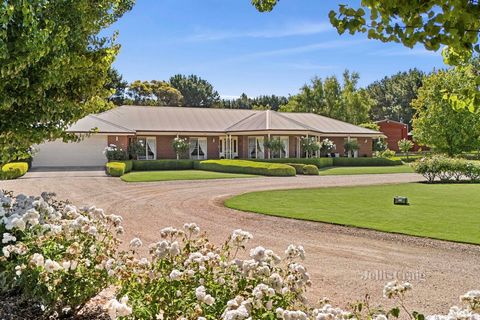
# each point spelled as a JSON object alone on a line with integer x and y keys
{"x": 211, "y": 134}
{"x": 395, "y": 131}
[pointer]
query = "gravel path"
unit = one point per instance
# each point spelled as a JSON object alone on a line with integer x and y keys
{"x": 345, "y": 263}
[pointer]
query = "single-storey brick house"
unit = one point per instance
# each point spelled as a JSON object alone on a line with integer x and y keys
{"x": 395, "y": 131}
{"x": 212, "y": 134}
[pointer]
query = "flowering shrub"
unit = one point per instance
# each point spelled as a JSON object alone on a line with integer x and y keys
{"x": 327, "y": 146}
{"x": 113, "y": 153}
{"x": 309, "y": 145}
{"x": 187, "y": 276}
{"x": 180, "y": 146}
{"x": 447, "y": 169}
{"x": 54, "y": 252}
{"x": 387, "y": 153}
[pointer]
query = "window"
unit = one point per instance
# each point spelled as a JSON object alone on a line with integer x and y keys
{"x": 224, "y": 147}
{"x": 198, "y": 148}
{"x": 255, "y": 148}
{"x": 149, "y": 148}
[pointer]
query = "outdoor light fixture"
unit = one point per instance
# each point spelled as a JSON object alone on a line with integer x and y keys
{"x": 400, "y": 200}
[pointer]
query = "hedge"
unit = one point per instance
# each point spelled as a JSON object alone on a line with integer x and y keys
{"x": 319, "y": 162}
{"x": 310, "y": 170}
{"x": 298, "y": 167}
{"x": 365, "y": 162}
{"x": 147, "y": 165}
{"x": 247, "y": 167}
{"x": 13, "y": 170}
{"x": 119, "y": 168}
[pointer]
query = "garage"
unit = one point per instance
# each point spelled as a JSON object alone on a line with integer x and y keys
{"x": 86, "y": 153}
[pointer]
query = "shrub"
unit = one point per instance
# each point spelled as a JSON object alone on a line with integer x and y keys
{"x": 365, "y": 162}
{"x": 327, "y": 146}
{"x": 310, "y": 170}
{"x": 147, "y": 165}
{"x": 13, "y": 170}
{"x": 180, "y": 146}
{"x": 298, "y": 167}
{"x": 319, "y": 162}
{"x": 113, "y": 153}
{"x": 309, "y": 145}
{"x": 387, "y": 153}
{"x": 446, "y": 169}
{"x": 351, "y": 146}
{"x": 119, "y": 168}
{"x": 53, "y": 252}
{"x": 247, "y": 167}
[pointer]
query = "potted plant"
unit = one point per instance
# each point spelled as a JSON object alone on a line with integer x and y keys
{"x": 309, "y": 145}
{"x": 350, "y": 147}
{"x": 327, "y": 146}
{"x": 180, "y": 146}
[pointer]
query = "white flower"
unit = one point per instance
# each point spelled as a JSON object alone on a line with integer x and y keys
{"x": 294, "y": 251}
{"x": 52, "y": 266}
{"x": 7, "y": 237}
{"x": 240, "y": 238}
{"x": 394, "y": 288}
{"x": 136, "y": 243}
{"x": 66, "y": 265}
{"x": 18, "y": 223}
{"x": 38, "y": 260}
{"x": 471, "y": 297}
{"x": 258, "y": 253}
{"x": 192, "y": 228}
{"x": 175, "y": 274}
{"x": 118, "y": 308}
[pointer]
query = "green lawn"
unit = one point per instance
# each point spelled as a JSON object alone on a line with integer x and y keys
{"x": 442, "y": 211}
{"x": 168, "y": 175}
{"x": 331, "y": 171}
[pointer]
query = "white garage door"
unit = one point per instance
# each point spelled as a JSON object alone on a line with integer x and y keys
{"x": 88, "y": 152}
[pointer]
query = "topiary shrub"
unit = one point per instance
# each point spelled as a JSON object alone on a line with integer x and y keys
{"x": 310, "y": 170}
{"x": 148, "y": 165}
{"x": 119, "y": 168}
{"x": 298, "y": 167}
{"x": 13, "y": 170}
{"x": 247, "y": 167}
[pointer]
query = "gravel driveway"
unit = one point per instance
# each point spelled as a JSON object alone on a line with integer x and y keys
{"x": 345, "y": 263}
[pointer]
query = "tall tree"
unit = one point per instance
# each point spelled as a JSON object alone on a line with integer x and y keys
{"x": 392, "y": 96}
{"x": 153, "y": 93}
{"x": 196, "y": 91}
{"x": 54, "y": 65}
{"x": 436, "y": 124}
{"x": 454, "y": 24}
{"x": 117, "y": 86}
{"x": 141, "y": 93}
{"x": 329, "y": 98}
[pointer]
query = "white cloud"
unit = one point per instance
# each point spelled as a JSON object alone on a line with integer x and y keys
{"x": 287, "y": 30}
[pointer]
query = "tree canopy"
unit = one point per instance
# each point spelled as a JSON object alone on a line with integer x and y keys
{"x": 153, "y": 93}
{"x": 53, "y": 67}
{"x": 329, "y": 98}
{"x": 392, "y": 96}
{"x": 263, "y": 102}
{"x": 436, "y": 123}
{"x": 451, "y": 24}
{"x": 196, "y": 91}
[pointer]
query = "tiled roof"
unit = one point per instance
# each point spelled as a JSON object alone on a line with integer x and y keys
{"x": 131, "y": 119}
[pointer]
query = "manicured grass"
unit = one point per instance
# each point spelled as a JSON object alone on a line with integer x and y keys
{"x": 168, "y": 175}
{"x": 442, "y": 211}
{"x": 364, "y": 170}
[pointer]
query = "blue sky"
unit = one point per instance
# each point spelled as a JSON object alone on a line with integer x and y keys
{"x": 241, "y": 50}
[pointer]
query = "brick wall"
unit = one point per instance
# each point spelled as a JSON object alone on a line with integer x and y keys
{"x": 213, "y": 151}
{"x": 164, "y": 147}
{"x": 365, "y": 145}
{"x": 394, "y": 131}
{"x": 119, "y": 141}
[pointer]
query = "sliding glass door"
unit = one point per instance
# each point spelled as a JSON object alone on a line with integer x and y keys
{"x": 255, "y": 148}
{"x": 149, "y": 148}
{"x": 198, "y": 148}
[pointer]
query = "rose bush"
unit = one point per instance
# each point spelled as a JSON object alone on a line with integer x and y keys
{"x": 62, "y": 256}
{"x": 54, "y": 252}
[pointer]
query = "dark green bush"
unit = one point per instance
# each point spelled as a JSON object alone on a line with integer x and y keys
{"x": 147, "y": 165}
{"x": 319, "y": 162}
{"x": 310, "y": 170}
{"x": 365, "y": 162}
{"x": 247, "y": 167}
{"x": 13, "y": 170}
{"x": 298, "y": 167}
